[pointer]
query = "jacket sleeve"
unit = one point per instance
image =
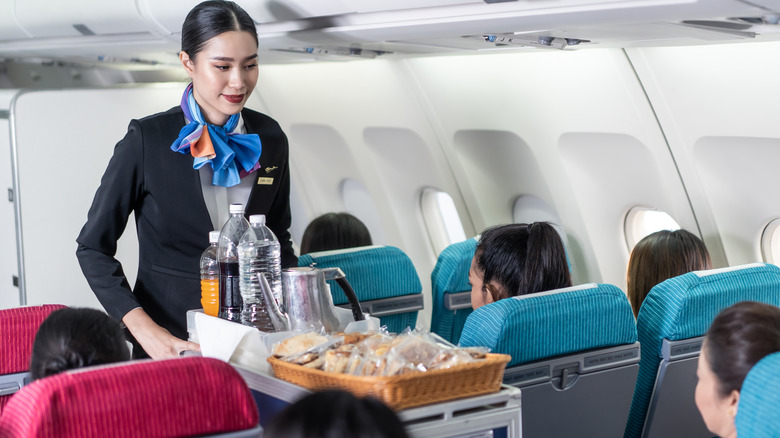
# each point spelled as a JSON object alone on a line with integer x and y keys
{"x": 120, "y": 188}
{"x": 280, "y": 218}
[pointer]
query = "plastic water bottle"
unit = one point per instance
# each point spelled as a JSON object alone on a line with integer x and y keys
{"x": 259, "y": 252}
{"x": 209, "y": 276}
{"x": 227, "y": 256}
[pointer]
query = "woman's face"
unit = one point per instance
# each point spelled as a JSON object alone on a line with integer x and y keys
{"x": 718, "y": 412}
{"x": 479, "y": 293}
{"x": 223, "y": 74}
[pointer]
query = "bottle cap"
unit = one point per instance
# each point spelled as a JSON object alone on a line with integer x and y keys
{"x": 236, "y": 208}
{"x": 214, "y": 236}
{"x": 257, "y": 219}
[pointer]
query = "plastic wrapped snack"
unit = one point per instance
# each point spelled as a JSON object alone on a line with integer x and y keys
{"x": 375, "y": 354}
{"x": 298, "y": 344}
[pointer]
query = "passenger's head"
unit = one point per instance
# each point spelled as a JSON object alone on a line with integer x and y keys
{"x": 660, "y": 256}
{"x": 737, "y": 339}
{"x": 334, "y": 231}
{"x": 219, "y": 53}
{"x": 336, "y": 413}
{"x": 76, "y": 337}
{"x": 517, "y": 259}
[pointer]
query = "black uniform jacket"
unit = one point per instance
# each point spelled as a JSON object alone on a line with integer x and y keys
{"x": 163, "y": 190}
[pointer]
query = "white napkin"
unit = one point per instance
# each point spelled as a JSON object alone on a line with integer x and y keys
{"x": 219, "y": 338}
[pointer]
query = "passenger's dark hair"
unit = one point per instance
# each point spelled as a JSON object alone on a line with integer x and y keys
{"x": 336, "y": 413}
{"x": 738, "y": 338}
{"x": 76, "y": 337}
{"x": 522, "y": 259}
{"x": 212, "y": 18}
{"x": 660, "y": 256}
{"x": 334, "y": 231}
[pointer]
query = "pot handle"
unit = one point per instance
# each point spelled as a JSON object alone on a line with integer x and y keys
{"x": 357, "y": 312}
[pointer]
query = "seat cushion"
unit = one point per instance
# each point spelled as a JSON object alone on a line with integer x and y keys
{"x": 167, "y": 398}
{"x": 549, "y": 324}
{"x": 18, "y": 327}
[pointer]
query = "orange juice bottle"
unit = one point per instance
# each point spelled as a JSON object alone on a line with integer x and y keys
{"x": 209, "y": 277}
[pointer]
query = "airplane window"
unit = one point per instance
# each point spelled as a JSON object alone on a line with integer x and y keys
{"x": 641, "y": 221}
{"x": 441, "y": 219}
{"x": 770, "y": 242}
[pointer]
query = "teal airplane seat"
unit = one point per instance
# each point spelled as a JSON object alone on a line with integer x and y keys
{"x": 451, "y": 290}
{"x": 758, "y": 412}
{"x": 383, "y": 277}
{"x": 671, "y": 324}
{"x": 574, "y": 353}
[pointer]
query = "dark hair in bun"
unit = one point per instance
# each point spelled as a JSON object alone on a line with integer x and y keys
{"x": 76, "y": 337}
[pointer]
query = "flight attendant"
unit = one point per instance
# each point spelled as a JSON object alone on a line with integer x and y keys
{"x": 177, "y": 172}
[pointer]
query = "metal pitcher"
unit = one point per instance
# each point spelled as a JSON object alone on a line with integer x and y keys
{"x": 307, "y": 303}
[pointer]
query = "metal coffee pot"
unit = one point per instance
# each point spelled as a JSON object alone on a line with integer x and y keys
{"x": 307, "y": 303}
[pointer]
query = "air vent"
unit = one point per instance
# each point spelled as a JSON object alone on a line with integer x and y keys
{"x": 740, "y": 29}
{"x": 724, "y": 25}
{"x": 526, "y": 40}
{"x": 767, "y": 19}
{"x": 353, "y": 52}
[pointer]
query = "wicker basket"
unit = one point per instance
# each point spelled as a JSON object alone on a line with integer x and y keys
{"x": 405, "y": 391}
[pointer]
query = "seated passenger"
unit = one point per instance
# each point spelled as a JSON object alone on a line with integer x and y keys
{"x": 737, "y": 339}
{"x": 517, "y": 259}
{"x": 336, "y": 413}
{"x": 660, "y": 256}
{"x": 334, "y": 231}
{"x": 76, "y": 337}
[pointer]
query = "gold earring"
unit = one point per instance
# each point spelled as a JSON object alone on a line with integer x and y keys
{"x": 733, "y": 412}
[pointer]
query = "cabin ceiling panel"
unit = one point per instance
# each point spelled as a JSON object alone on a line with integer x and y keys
{"x": 54, "y": 19}
{"x": 9, "y": 27}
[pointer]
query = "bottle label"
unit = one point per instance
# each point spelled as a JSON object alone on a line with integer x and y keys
{"x": 229, "y": 292}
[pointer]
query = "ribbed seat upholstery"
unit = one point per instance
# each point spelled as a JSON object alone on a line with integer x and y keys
{"x": 451, "y": 290}
{"x": 758, "y": 413}
{"x": 574, "y": 355}
{"x": 383, "y": 277}
{"x": 18, "y": 327}
{"x": 183, "y": 397}
{"x": 671, "y": 323}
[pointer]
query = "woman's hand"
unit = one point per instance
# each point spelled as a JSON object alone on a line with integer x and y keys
{"x": 158, "y": 342}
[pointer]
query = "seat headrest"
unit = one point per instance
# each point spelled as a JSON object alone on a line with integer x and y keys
{"x": 374, "y": 272}
{"x": 554, "y": 323}
{"x": 759, "y": 399}
{"x": 683, "y": 307}
{"x": 451, "y": 273}
{"x": 177, "y": 397}
{"x": 18, "y": 327}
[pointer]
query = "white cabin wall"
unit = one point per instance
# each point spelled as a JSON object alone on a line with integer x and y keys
{"x": 9, "y": 294}
{"x": 54, "y": 194}
{"x": 363, "y": 121}
{"x": 571, "y": 128}
{"x": 718, "y": 106}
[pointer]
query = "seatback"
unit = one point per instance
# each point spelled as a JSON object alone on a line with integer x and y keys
{"x": 383, "y": 277}
{"x": 451, "y": 290}
{"x": 18, "y": 327}
{"x": 193, "y": 396}
{"x": 671, "y": 324}
{"x": 574, "y": 355}
{"x": 758, "y": 412}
